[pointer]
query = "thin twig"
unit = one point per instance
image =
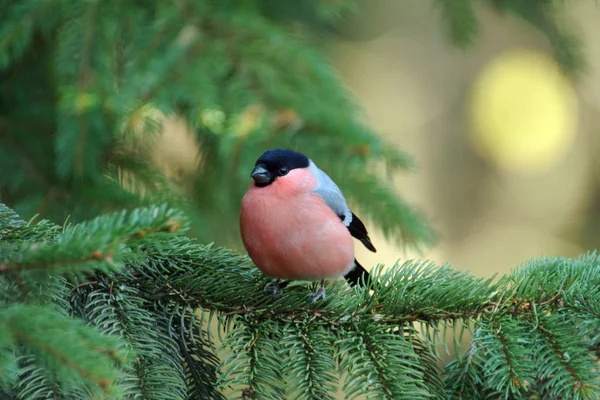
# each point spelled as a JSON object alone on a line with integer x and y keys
{"x": 84, "y": 284}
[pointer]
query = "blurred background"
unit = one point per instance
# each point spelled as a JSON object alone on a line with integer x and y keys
{"x": 506, "y": 144}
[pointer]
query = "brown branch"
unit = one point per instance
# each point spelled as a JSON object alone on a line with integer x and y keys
{"x": 84, "y": 80}
{"x": 34, "y": 265}
{"x": 514, "y": 378}
{"x": 513, "y": 307}
{"x": 84, "y": 284}
{"x": 550, "y": 300}
{"x": 376, "y": 361}
{"x": 561, "y": 355}
{"x": 253, "y": 341}
{"x": 103, "y": 382}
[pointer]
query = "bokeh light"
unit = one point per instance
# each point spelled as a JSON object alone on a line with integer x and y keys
{"x": 523, "y": 111}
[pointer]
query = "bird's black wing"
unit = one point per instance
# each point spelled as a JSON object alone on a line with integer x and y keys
{"x": 358, "y": 230}
{"x": 357, "y": 275}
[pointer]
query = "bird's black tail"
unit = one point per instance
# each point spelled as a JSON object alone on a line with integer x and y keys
{"x": 357, "y": 275}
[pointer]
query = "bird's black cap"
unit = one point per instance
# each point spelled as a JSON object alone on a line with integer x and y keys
{"x": 277, "y": 162}
{"x": 276, "y": 158}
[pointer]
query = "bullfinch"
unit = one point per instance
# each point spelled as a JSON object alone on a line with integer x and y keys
{"x": 296, "y": 225}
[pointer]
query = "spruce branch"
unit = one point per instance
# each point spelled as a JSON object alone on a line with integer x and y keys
{"x": 309, "y": 360}
{"x": 544, "y": 16}
{"x": 39, "y": 231}
{"x": 506, "y": 346}
{"x": 199, "y": 360}
{"x": 426, "y": 294}
{"x": 379, "y": 361}
{"x": 119, "y": 311}
{"x": 461, "y": 20}
{"x": 34, "y": 381}
{"x": 9, "y": 221}
{"x": 464, "y": 376}
{"x": 411, "y": 292}
{"x": 563, "y": 373}
{"x": 97, "y": 244}
{"x": 430, "y": 363}
{"x": 463, "y": 25}
{"x": 523, "y": 323}
{"x": 25, "y": 18}
{"x": 63, "y": 345}
{"x": 254, "y": 368}
{"x": 90, "y": 36}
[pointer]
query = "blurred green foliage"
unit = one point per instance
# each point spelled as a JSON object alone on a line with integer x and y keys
{"x": 81, "y": 81}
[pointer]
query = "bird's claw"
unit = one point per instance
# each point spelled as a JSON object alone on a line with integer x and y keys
{"x": 319, "y": 294}
{"x": 274, "y": 287}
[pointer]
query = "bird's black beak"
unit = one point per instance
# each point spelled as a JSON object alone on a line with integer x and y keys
{"x": 261, "y": 176}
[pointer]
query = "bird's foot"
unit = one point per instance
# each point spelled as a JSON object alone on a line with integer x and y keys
{"x": 319, "y": 294}
{"x": 275, "y": 287}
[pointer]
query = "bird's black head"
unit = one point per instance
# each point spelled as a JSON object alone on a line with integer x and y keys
{"x": 275, "y": 163}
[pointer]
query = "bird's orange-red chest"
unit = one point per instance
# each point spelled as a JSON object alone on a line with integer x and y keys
{"x": 291, "y": 233}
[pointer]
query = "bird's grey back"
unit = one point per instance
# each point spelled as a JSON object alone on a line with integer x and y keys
{"x": 331, "y": 193}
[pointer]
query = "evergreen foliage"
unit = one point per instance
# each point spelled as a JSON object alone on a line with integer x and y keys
{"x": 126, "y": 313}
{"x": 121, "y": 306}
{"x": 545, "y": 16}
{"x": 83, "y": 85}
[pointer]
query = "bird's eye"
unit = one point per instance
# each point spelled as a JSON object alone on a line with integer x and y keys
{"x": 283, "y": 171}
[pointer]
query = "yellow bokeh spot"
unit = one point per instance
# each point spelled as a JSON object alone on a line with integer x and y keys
{"x": 523, "y": 111}
{"x": 248, "y": 121}
{"x": 140, "y": 117}
{"x": 84, "y": 101}
{"x": 213, "y": 119}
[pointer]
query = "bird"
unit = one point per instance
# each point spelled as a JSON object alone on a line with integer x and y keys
{"x": 296, "y": 224}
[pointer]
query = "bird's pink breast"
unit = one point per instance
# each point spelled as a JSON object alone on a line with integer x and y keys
{"x": 293, "y": 234}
